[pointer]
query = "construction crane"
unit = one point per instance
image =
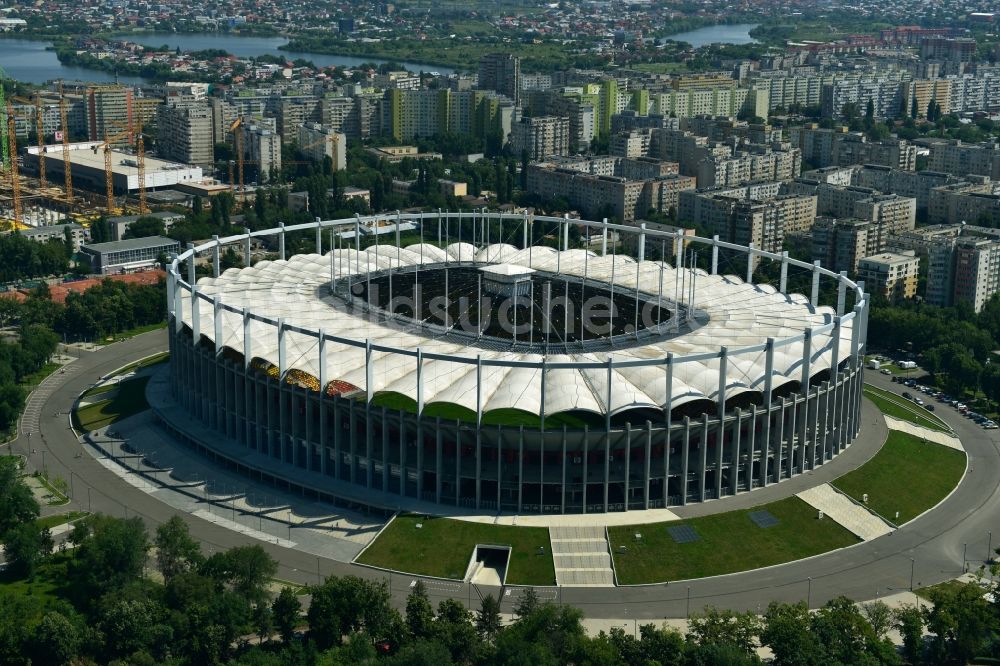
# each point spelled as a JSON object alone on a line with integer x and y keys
{"x": 15, "y": 178}
{"x": 331, "y": 138}
{"x": 4, "y": 152}
{"x": 39, "y": 132}
{"x": 140, "y": 163}
{"x": 67, "y": 171}
{"x": 109, "y": 183}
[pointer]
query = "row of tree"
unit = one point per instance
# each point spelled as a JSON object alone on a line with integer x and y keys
{"x": 18, "y": 360}
{"x": 23, "y": 259}
{"x": 103, "y": 310}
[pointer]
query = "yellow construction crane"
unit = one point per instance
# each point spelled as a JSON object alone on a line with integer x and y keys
{"x": 140, "y": 162}
{"x": 15, "y": 178}
{"x": 109, "y": 183}
{"x": 63, "y": 115}
{"x": 40, "y": 134}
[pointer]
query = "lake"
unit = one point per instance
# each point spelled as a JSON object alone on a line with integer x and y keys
{"x": 246, "y": 47}
{"x": 737, "y": 33}
{"x": 28, "y": 60}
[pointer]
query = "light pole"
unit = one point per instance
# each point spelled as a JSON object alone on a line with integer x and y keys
{"x": 687, "y": 613}
{"x": 809, "y": 593}
{"x": 912, "y": 565}
{"x": 989, "y": 548}
{"x": 965, "y": 559}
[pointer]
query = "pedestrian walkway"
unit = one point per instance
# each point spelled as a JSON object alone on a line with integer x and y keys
{"x": 936, "y": 436}
{"x": 31, "y": 418}
{"x": 841, "y": 509}
{"x": 581, "y": 556}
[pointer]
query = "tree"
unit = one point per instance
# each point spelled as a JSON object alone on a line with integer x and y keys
{"x": 286, "y": 609}
{"x": 913, "y": 108}
{"x": 248, "y": 569}
{"x": 879, "y": 616}
{"x": 145, "y": 227}
{"x": 527, "y": 603}
{"x": 725, "y": 626}
{"x": 910, "y": 624}
{"x": 959, "y": 620}
{"x": 111, "y": 552}
{"x": 17, "y": 505}
{"x": 25, "y": 546}
{"x": 786, "y": 632}
{"x": 870, "y": 113}
{"x": 419, "y": 612}
{"x": 342, "y": 605}
{"x": 488, "y": 622}
{"x": 55, "y": 640}
{"x": 176, "y": 550}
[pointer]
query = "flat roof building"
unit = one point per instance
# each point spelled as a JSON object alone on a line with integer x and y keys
{"x": 894, "y": 276}
{"x": 127, "y": 255}
{"x": 87, "y": 164}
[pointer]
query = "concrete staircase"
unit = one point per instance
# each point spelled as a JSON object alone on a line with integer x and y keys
{"x": 839, "y": 508}
{"x": 582, "y": 556}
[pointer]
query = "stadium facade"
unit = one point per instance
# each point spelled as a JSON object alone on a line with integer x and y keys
{"x": 468, "y": 369}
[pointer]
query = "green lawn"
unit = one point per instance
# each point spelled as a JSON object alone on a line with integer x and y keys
{"x": 728, "y": 542}
{"x": 442, "y": 547}
{"x": 131, "y": 333}
{"x": 130, "y": 399}
{"x": 162, "y": 357}
{"x": 927, "y": 592}
{"x": 898, "y": 406}
{"x": 907, "y": 475}
{"x": 59, "y": 519}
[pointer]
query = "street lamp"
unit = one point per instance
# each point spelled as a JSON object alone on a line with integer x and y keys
{"x": 809, "y": 593}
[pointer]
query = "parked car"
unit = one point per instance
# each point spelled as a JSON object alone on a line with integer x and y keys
{"x": 919, "y": 402}
{"x": 929, "y": 408}
{"x": 906, "y": 394}
{"x": 885, "y": 371}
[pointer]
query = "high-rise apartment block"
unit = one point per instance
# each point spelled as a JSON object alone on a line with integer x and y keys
{"x": 540, "y": 137}
{"x": 110, "y": 113}
{"x": 501, "y": 73}
{"x": 185, "y": 131}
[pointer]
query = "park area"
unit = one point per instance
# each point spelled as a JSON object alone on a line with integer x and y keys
{"x": 127, "y": 398}
{"x": 442, "y": 547}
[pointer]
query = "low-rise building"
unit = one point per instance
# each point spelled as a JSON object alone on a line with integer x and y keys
{"x": 55, "y": 232}
{"x": 128, "y": 255}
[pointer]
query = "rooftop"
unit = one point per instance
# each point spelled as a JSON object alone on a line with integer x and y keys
{"x": 130, "y": 244}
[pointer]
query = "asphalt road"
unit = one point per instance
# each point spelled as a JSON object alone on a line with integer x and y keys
{"x": 932, "y": 547}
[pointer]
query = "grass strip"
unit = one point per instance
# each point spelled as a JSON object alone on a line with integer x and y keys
{"x": 442, "y": 547}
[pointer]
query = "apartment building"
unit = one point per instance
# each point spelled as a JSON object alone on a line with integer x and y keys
{"x": 749, "y": 164}
{"x": 262, "y": 148}
{"x": 185, "y": 132}
{"x": 963, "y": 270}
{"x": 540, "y": 137}
{"x": 839, "y": 244}
{"x": 110, "y": 112}
{"x": 893, "y": 276}
{"x": 823, "y": 147}
{"x": 970, "y": 200}
{"x": 958, "y": 158}
{"x": 736, "y": 219}
{"x": 608, "y": 186}
{"x": 501, "y": 72}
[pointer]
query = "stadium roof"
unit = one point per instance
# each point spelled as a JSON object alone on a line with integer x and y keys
{"x": 738, "y": 315}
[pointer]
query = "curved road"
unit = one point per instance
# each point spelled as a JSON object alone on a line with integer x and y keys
{"x": 932, "y": 545}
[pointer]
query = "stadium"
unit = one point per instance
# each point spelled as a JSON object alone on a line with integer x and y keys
{"x": 477, "y": 370}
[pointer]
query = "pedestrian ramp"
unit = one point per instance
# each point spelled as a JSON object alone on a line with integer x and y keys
{"x": 841, "y": 509}
{"x": 581, "y": 556}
